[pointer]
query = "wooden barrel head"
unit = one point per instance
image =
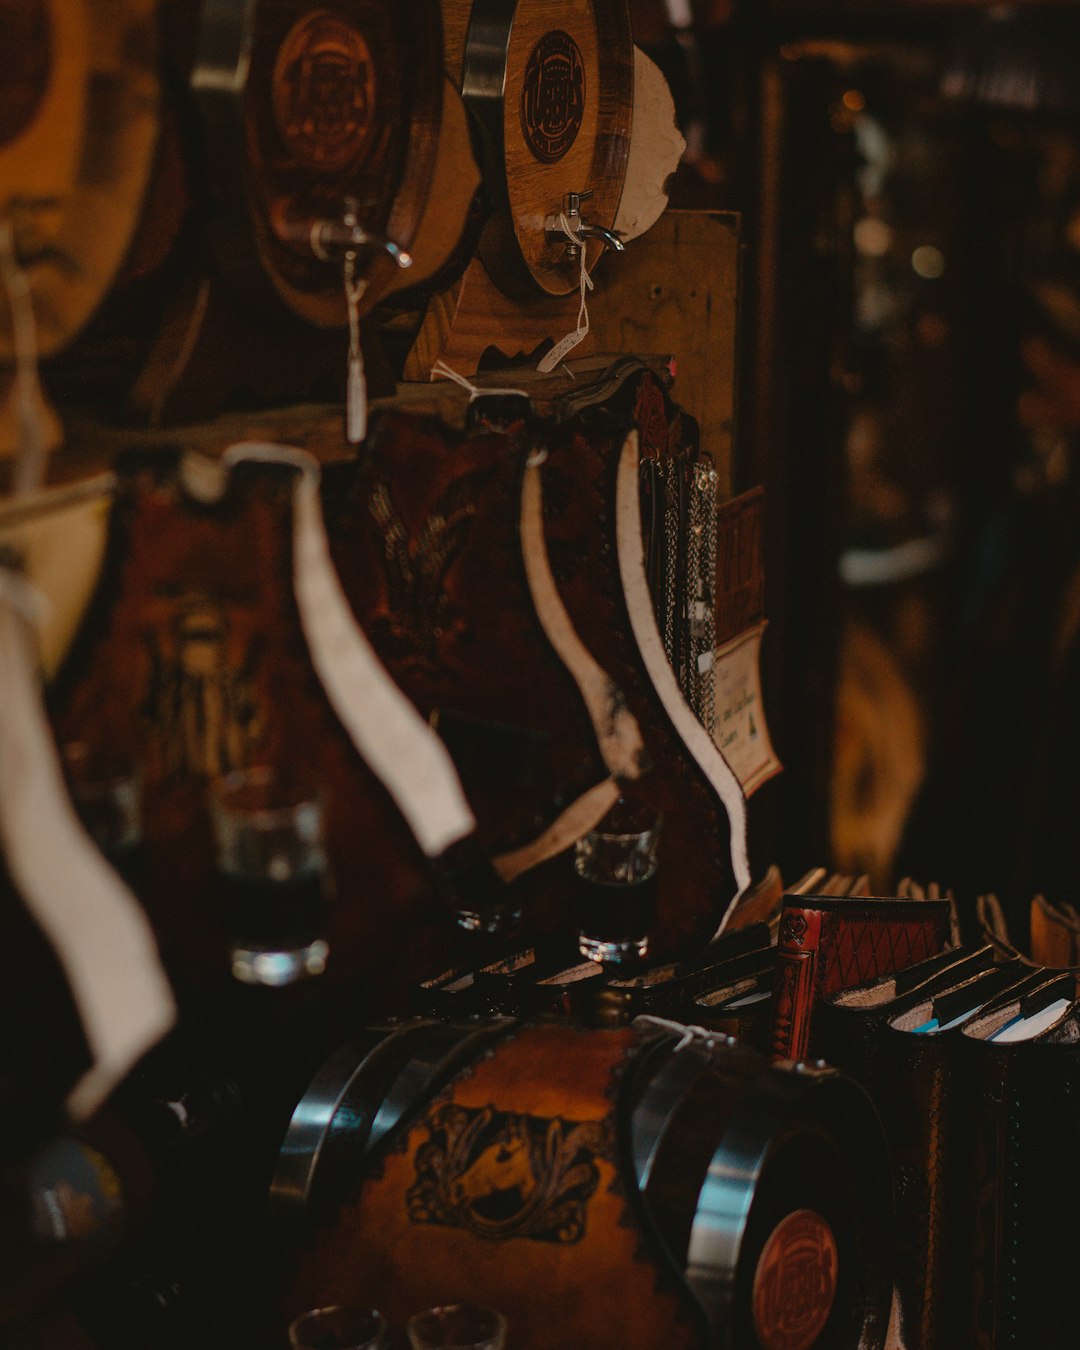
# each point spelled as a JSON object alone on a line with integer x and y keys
{"x": 336, "y": 106}
{"x": 551, "y": 87}
{"x": 79, "y": 97}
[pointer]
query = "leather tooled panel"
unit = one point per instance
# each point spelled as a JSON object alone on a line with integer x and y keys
{"x": 865, "y": 944}
{"x": 506, "y": 1190}
{"x": 579, "y": 480}
{"x": 426, "y": 543}
{"x": 191, "y": 662}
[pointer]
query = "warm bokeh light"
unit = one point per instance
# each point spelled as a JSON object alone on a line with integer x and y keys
{"x": 928, "y": 262}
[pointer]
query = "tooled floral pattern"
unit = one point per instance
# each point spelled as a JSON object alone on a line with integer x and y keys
{"x": 419, "y": 610}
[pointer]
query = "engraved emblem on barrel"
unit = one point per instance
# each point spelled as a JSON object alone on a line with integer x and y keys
{"x": 324, "y": 93}
{"x": 499, "y": 1175}
{"x": 795, "y": 1282}
{"x": 553, "y": 96}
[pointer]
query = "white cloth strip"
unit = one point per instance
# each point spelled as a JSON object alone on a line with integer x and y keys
{"x": 696, "y": 739}
{"x": 440, "y": 370}
{"x": 397, "y": 744}
{"x": 100, "y": 934}
{"x": 579, "y": 818}
{"x": 618, "y": 735}
{"x": 356, "y": 401}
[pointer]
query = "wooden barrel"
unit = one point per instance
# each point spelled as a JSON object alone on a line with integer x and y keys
{"x": 328, "y": 115}
{"x": 79, "y": 97}
{"x": 602, "y": 1187}
{"x": 550, "y": 86}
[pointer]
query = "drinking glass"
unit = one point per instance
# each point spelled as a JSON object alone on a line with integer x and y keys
{"x": 106, "y": 793}
{"x": 615, "y": 867}
{"x": 272, "y": 876}
{"x": 337, "y": 1328}
{"x": 457, "y": 1326}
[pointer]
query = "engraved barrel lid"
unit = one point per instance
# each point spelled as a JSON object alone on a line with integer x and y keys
{"x": 328, "y": 114}
{"x": 550, "y": 86}
{"x": 79, "y": 120}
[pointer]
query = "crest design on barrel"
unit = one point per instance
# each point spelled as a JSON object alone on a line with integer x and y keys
{"x": 795, "y": 1282}
{"x": 500, "y": 1175}
{"x": 553, "y": 96}
{"x": 324, "y": 93}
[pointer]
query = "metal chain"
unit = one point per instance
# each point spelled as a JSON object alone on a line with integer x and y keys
{"x": 665, "y": 472}
{"x": 707, "y": 482}
{"x": 694, "y": 607}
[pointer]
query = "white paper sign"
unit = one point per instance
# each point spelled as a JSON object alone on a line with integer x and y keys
{"x": 742, "y": 734}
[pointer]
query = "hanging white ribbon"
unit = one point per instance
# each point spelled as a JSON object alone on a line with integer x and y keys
{"x": 356, "y": 402}
{"x": 98, "y": 930}
{"x": 400, "y": 748}
{"x": 440, "y": 370}
{"x": 571, "y": 340}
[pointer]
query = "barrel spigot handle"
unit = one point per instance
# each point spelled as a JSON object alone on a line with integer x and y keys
{"x": 340, "y": 240}
{"x": 337, "y": 239}
{"x": 579, "y": 226}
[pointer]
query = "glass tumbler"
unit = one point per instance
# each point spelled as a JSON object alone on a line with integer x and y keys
{"x": 106, "y": 792}
{"x": 272, "y": 876}
{"x": 457, "y": 1326}
{"x": 337, "y": 1328}
{"x": 615, "y": 868}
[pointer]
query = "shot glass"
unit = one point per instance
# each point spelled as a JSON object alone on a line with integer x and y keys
{"x": 273, "y": 880}
{"x": 106, "y": 793}
{"x": 457, "y": 1326}
{"x": 338, "y": 1328}
{"x": 615, "y": 868}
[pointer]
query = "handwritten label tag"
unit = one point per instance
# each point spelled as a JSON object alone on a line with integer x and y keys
{"x": 742, "y": 734}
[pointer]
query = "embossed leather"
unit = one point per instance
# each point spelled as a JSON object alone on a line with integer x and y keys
{"x": 913, "y": 1082}
{"x": 828, "y": 943}
{"x": 425, "y": 536}
{"x": 695, "y": 879}
{"x": 509, "y": 1189}
{"x": 1018, "y": 1113}
{"x": 191, "y": 662}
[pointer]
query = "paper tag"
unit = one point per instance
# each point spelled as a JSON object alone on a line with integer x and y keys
{"x": 96, "y": 927}
{"x": 741, "y": 730}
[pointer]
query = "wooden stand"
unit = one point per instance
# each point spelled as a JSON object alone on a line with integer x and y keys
{"x": 674, "y": 290}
